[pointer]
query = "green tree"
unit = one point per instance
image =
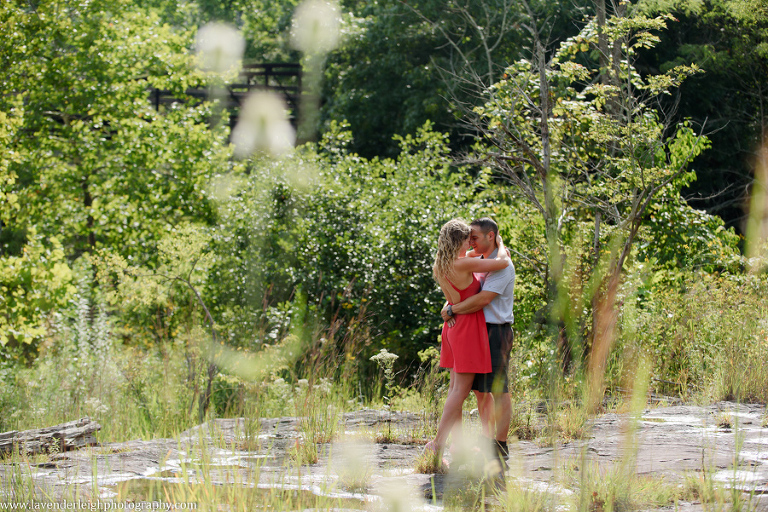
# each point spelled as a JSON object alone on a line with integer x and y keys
{"x": 99, "y": 165}
{"x": 265, "y": 24}
{"x": 355, "y": 236}
{"x": 371, "y": 243}
{"x": 592, "y": 156}
{"x": 726, "y": 39}
{"x": 89, "y": 162}
{"x": 404, "y": 63}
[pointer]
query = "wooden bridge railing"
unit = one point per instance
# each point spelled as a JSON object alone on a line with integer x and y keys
{"x": 284, "y": 79}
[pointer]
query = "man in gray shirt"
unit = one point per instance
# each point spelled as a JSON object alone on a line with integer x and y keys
{"x": 496, "y": 299}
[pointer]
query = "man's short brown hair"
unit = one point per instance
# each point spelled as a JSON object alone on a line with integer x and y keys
{"x": 486, "y": 225}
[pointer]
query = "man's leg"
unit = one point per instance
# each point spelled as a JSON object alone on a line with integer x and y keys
{"x": 503, "y": 415}
{"x": 500, "y": 339}
{"x": 502, "y": 411}
{"x": 485, "y": 409}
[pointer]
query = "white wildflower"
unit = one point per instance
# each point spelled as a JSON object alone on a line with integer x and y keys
{"x": 96, "y": 406}
{"x": 315, "y": 27}
{"x": 219, "y": 47}
{"x": 263, "y": 126}
{"x": 324, "y": 386}
{"x": 281, "y": 389}
{"x": 384, "y": 357}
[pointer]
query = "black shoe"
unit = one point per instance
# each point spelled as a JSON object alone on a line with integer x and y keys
{"x": 495, "y": 483}
{"x": 500, "y": 482}
{"x": 502, "y": 452}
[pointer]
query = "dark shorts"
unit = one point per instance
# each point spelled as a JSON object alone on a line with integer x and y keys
{"x": 500, "y": 338}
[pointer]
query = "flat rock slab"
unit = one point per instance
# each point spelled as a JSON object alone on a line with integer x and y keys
{"x": 66, "y": 436}
{"x": 664, "y": 441}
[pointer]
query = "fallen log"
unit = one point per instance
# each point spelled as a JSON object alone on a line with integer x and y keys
{"x": 59, "y": 438}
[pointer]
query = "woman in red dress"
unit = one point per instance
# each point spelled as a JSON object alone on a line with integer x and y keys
{"x": 464, "y": 347}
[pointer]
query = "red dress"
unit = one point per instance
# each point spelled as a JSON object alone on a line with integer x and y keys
{"x": 464, "y": 346}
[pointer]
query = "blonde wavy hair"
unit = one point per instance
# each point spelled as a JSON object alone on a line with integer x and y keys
{"x": 453, "y": 234}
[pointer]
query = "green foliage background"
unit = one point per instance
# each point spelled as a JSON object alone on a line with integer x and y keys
{"x": 354, "y": 235}
{"x": 123, "y": 227}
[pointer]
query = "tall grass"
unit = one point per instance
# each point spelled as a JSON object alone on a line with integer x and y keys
{"x": 707, "y": 338}
{"x": 614, "y": 489}
{"x": 83, "y": 370}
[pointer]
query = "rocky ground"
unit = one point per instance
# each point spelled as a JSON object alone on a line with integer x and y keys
{"x": 726, "y": 441}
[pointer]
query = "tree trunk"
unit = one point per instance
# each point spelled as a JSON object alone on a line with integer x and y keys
{"x": 602, "y": 41}
{"x": 555, "y": 319}
{"x": 87, "y": 203}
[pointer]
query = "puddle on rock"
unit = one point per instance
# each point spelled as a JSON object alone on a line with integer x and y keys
{"x": 143, "y": 490}
{"x": 170, "y": 473}
{"x": 224, "y": 471}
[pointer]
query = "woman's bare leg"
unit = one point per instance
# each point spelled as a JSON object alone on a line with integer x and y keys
{"x": 451, "y": 380}
{"x": 458, "y": 391}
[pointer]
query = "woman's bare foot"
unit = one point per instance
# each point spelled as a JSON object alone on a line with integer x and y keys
{"x": 431, "y": 449}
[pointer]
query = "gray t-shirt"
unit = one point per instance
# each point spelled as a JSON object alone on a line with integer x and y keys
{"x": 499, "y": 310}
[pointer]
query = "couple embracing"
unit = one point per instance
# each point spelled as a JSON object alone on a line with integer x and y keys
{"x": 474, "y": 271}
